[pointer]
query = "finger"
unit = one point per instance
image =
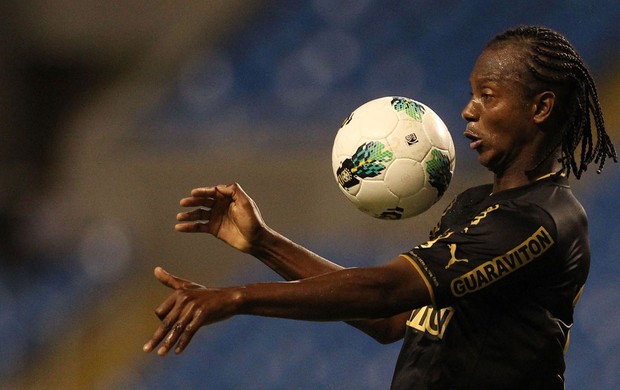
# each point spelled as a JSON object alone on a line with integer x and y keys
{"x": 198, "y": 227}
{"x": 231, "y": 191}
{"x": 190, "y": 331}
{"x": 170, "y": 280}
{"x": 176, "y": 330}
{"x": 194, "y": 215}
{"x": 161, "y": 331}
{"x": 203, "y": 192}
{"x": 165, "y": 307}
{"x": 196, "y": 201}
{"x": 234, "y": 192}
{"x": 159, "y": 334}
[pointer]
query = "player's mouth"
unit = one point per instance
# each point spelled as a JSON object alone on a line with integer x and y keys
{"x": 476, "y": 142}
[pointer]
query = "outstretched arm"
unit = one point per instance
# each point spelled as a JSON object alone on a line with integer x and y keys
{"x": 229, "y": 214}
{"x": 346, "y": 294}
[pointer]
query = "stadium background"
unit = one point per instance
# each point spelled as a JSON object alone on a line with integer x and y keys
{"x": 112, "y": 111}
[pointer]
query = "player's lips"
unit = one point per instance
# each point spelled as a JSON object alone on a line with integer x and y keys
{"x": 475, "y": 140}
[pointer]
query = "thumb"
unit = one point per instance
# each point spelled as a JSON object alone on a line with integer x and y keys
{"x": 167, "y": 278}
{"x": 172, "y": 281}
{"x": 232, "y": 190}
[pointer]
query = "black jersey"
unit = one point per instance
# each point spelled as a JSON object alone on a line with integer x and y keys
{"x": 504, "y": 271}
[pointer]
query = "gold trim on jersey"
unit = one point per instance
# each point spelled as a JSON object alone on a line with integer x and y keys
{"x": 427, "y": 282}
{"x": 483, "y": 215}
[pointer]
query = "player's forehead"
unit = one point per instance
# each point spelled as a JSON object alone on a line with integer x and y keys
{"x": 501, "y": 64}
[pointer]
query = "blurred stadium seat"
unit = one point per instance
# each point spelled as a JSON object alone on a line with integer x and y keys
{"x": 314, "y": 61}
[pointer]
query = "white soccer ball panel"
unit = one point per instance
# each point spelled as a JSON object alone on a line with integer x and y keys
{"x": 351, "y": 196}
{"x": 405, "y": 177}
{"x": 374, "y": 198}
{"x": 410, "y": 140}
{"x": 418, "y": 203}
{"x": 375, "y": 119}
{"x": 436, "y": 130}
{"x": 347, "y": 140}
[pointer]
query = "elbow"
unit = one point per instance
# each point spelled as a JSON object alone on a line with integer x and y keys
{"x": 384, "y": 331}
{"x": 387, "y": 339}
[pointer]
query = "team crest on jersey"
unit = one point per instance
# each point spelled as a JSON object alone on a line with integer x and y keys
{"x": 431, "y": 321}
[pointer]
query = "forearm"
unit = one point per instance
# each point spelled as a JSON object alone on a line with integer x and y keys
{"x": 294, "y": 262}
{"x": 288, "y": 259}
{"x": 349, "y": 294}
{"x": 340, "y": 295}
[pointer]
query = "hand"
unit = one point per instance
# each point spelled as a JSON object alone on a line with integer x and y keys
{"x": 188, "y": 308}
{"x": 224, "y": 211}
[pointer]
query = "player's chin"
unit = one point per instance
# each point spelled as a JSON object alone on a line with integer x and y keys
{"x": 485, "y": 158}
{"x": 493, "y": 165}
{"x": 482, "y": 157}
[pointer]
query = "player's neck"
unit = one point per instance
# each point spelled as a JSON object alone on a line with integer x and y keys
{"x": 518, "y": 177}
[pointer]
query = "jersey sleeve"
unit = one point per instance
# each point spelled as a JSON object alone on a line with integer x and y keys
{"x": 504, "y": 244}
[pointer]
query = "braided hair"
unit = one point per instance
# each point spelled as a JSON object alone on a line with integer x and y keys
{"x": 554, "y": 63}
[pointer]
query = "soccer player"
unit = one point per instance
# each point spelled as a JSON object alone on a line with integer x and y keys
{"x": 488, "y": 301}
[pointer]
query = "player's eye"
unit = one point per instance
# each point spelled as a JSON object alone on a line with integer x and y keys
{"x": 485, "y": 96}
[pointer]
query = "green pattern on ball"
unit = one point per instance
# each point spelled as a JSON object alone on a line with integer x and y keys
{"x": 438, "y": 169}
{"x": 365, "y": 162}
{"x": 412, "y": 108}
{"x": 368, "y": 158}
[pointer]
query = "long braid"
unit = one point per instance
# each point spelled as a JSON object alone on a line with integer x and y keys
{"x": 555, "y": 63}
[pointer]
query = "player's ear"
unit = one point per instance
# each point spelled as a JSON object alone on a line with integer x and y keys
{"x": 542, "y": 108}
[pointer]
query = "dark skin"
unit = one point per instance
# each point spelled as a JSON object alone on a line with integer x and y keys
{"x": 510, "y": 127}
{"x": 326, "y": 291}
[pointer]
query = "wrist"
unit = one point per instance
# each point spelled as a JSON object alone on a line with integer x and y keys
{"x": 238, "y": 300}
{"x": 264, "y": 241}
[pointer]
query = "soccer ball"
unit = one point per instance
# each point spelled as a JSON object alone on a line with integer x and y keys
{"x": 393, "y": 157}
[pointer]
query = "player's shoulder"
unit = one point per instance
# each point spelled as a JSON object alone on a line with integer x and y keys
{"x": 544, "y": 187}
{"x": 473, "y": 195}
{"x": 551, "y": 195}
{"x": 548, "y": 200}
{"x": 478, "y": 191}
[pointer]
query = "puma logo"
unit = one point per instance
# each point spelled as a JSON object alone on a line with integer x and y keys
{"x": 453, "y": 259}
